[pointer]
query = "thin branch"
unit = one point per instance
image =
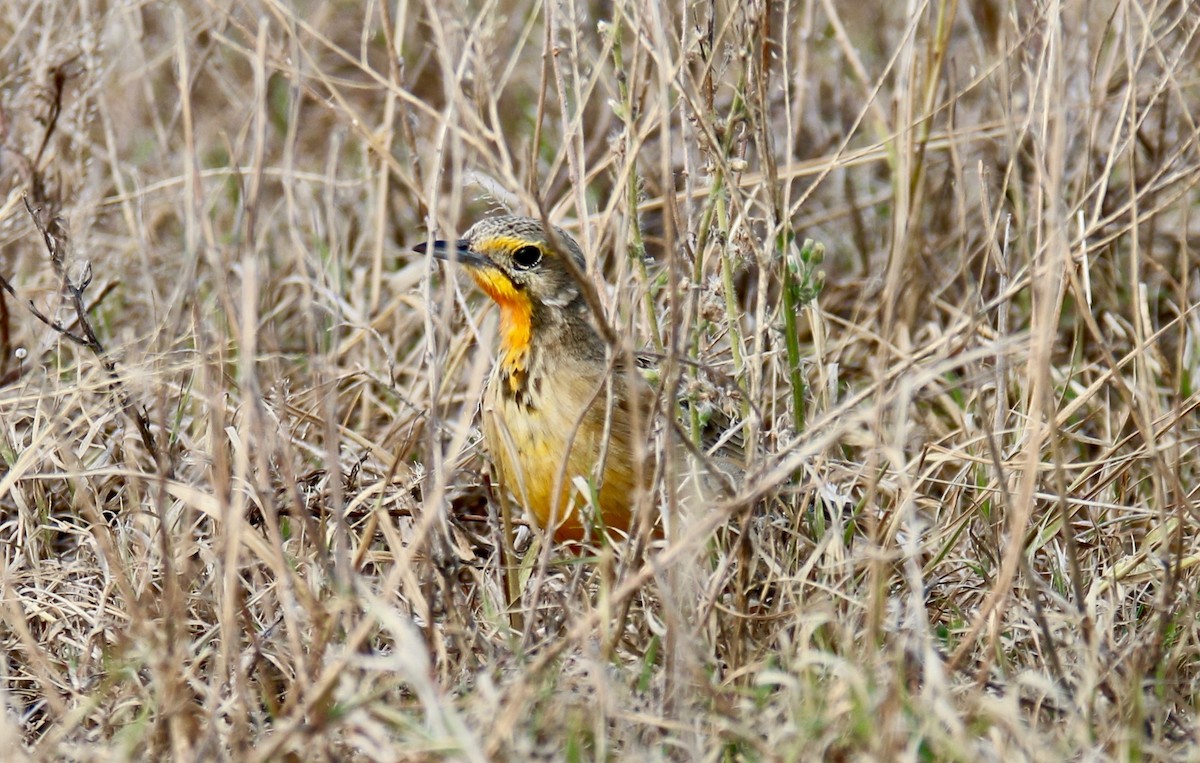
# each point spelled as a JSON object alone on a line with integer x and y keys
{"x": 56, "y": 240}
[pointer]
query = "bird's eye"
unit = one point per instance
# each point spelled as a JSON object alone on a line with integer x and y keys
{"x": 526, "y": 257}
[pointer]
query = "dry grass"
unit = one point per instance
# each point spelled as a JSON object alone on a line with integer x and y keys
{"x": 246, "y": 519}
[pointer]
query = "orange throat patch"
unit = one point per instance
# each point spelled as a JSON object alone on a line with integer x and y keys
{"x": 516, "y": 323}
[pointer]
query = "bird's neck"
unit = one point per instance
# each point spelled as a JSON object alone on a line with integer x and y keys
{"x": 516, "y": 344}
{"x": 516, "y": 321}
{"x": 536, "y": 340}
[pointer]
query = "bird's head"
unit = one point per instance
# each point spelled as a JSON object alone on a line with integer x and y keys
{"x": 514, "y": 262}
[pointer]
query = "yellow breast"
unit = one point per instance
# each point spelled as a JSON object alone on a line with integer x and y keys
{"x": 542, "y": 448}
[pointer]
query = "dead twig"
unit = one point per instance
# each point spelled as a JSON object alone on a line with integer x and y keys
{"x": 55, "y": 237}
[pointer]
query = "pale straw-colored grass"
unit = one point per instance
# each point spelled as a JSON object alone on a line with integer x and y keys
{"x": 251, "y": 519}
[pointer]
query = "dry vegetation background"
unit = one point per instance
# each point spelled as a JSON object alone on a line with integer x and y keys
{"x": 242, "y": 502}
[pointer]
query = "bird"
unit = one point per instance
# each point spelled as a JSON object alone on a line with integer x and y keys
{"x": 559, "y": 419}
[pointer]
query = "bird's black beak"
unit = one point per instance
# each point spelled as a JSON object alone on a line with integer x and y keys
{"x": 452, "y": 251}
